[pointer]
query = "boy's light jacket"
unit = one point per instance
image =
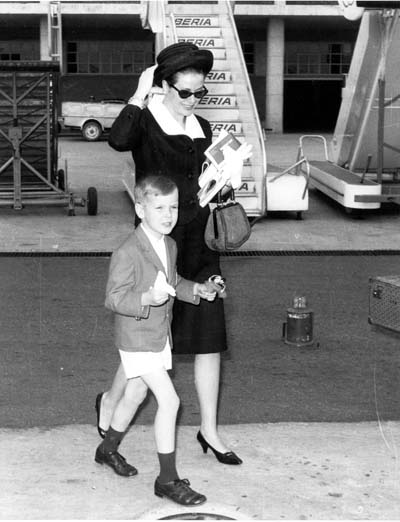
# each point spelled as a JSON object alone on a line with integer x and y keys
{"x": 133, "y": 269}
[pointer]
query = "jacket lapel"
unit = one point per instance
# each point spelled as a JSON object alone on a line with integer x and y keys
{"x": 170, "y": 263}
{"x": 148, "y": 250}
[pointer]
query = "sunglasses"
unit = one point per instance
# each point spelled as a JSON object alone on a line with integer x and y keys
{"x": 185, "y": 93}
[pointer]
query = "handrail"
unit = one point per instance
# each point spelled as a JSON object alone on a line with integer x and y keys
{"x": 315, "y": 137}
{"x": 251, "y": 96}
{"x": 153, "y": 17}
{"x": 173, "y": 26}
{"x": 166, "y": 15}
{"x": 163, "y": 21}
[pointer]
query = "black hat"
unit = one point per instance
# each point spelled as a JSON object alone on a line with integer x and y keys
{"x": 179, "y": 56}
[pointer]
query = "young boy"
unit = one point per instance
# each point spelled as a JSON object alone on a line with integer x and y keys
{"x": 140, "y": 290}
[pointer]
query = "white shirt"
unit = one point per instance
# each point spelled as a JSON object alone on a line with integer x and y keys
{"x": 159, "y": 246}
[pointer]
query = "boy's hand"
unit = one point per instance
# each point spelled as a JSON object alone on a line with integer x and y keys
{"x": 204, "y": 291}
{"x": 159, "y": 293}
{"x": 154, "y": 297}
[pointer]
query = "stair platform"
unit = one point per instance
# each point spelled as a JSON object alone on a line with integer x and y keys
{"x": 286, "y": 191}
{"x": 345, "y": 186}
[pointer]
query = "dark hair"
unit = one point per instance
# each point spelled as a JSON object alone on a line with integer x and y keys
{"x": 154, "y": 184}
{"x": 174, "y": 77}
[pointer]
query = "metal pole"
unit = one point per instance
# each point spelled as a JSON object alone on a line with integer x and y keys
{"x": 15, "y": 135}
{"x": 381, "y": 127}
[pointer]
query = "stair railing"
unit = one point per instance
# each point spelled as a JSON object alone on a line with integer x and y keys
{"x": 153, "y": 16}
{"x": 259, "y": 131}
{"x": 169, "y": 34}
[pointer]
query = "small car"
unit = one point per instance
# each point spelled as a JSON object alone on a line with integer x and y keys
{"x": 91, "y": 118}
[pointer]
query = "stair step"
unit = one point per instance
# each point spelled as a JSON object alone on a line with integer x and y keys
{"x": 226, "y": 114}
{"x": 219, "y": 76}
{"x": 202, "y": 21}
{"x": 199, "y": 32}
{"x": 221, "y": 89}
{"x": 247, "y": 189}
{"x": 250, "y": 205}
{"x": 219, "y": 54}
{"x": 203, "y": 42}
{"x": 221, "y": 101}
{"x": 222, "y": 116}
{"x": 247, "y": 174}
{"x": 221, "y": 65}
{"x": 235, "y": 127}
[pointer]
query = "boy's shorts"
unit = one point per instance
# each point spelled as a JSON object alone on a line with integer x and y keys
{"x": 139, "y": 363}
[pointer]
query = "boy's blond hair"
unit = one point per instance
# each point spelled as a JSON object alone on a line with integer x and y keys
{"x": 153, "y": 184}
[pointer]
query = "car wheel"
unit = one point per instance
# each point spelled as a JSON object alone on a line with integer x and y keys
{"x": 91, "y": 131}
{"x": 92, "y": 201}
{"x": 61, "y": 180}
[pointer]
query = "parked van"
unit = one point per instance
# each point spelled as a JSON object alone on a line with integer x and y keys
{"x": 91, "y": 118}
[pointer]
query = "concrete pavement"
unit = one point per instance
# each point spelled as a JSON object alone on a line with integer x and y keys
{"x": 325, "y": 226}
{"x": 290, "y": 471}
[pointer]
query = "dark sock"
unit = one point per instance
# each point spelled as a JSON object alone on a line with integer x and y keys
{"x": 168, "y": 471}
{"x": 112, "y": 440}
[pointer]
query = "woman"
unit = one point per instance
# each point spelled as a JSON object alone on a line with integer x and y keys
{"x": 166, "y": 137}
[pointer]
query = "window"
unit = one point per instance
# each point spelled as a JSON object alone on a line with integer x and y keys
{"x": 323, "y": 59}
{"x": 72, "y": 57}
{"x": 107, "y": 57}
{"x": 18, "y": 50}
{"x": 248, "y": 53}
{"x": 334, "y": 58}
{"x": 10, "y": 56}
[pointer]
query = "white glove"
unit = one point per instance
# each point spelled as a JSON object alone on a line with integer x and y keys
{"x": 145, "y": 82}
{"x": 232, "y": 166}
{"x": 161, "y": 285}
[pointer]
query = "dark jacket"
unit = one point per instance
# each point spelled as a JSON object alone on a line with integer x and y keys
{"x": 177, "y": 156}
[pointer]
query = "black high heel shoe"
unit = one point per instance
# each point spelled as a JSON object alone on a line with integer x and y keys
{"x": 102, "y": 432}
{"x": 225, "y": 458}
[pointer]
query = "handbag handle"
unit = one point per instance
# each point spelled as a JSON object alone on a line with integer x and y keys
{"x": 220, "y": 204}
{"x": 219, "y": 196}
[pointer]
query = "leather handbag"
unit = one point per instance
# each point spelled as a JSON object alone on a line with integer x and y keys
{"x": 227, "y": 227}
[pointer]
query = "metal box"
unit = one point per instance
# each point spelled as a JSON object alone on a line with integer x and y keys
{"x": 384, "y": 302}
{"x": 286, "y": 191}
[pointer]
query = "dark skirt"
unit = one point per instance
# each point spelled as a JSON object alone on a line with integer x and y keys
{"x": 197, "y": 329}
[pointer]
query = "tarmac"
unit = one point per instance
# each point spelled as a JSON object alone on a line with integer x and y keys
{"x": 290, "y": 471}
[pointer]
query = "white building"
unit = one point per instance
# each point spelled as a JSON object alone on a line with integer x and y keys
{"x": 297, "y": 52}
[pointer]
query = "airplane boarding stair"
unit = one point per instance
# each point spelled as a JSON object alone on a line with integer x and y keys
{"x": 364, "y": 165}
{"x": 230, "y": 102}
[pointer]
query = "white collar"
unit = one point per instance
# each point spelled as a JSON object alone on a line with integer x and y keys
{"x": 169, "y": 125}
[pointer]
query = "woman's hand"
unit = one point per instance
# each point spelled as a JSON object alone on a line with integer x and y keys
{"x": 204, "y": 291}
{"x": 232, "y": 166}
{"x": 145, "y": 87}
{"x": 145, "y": 83}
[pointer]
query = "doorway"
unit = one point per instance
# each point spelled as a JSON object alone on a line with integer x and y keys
{"x": 311, "y": 105}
